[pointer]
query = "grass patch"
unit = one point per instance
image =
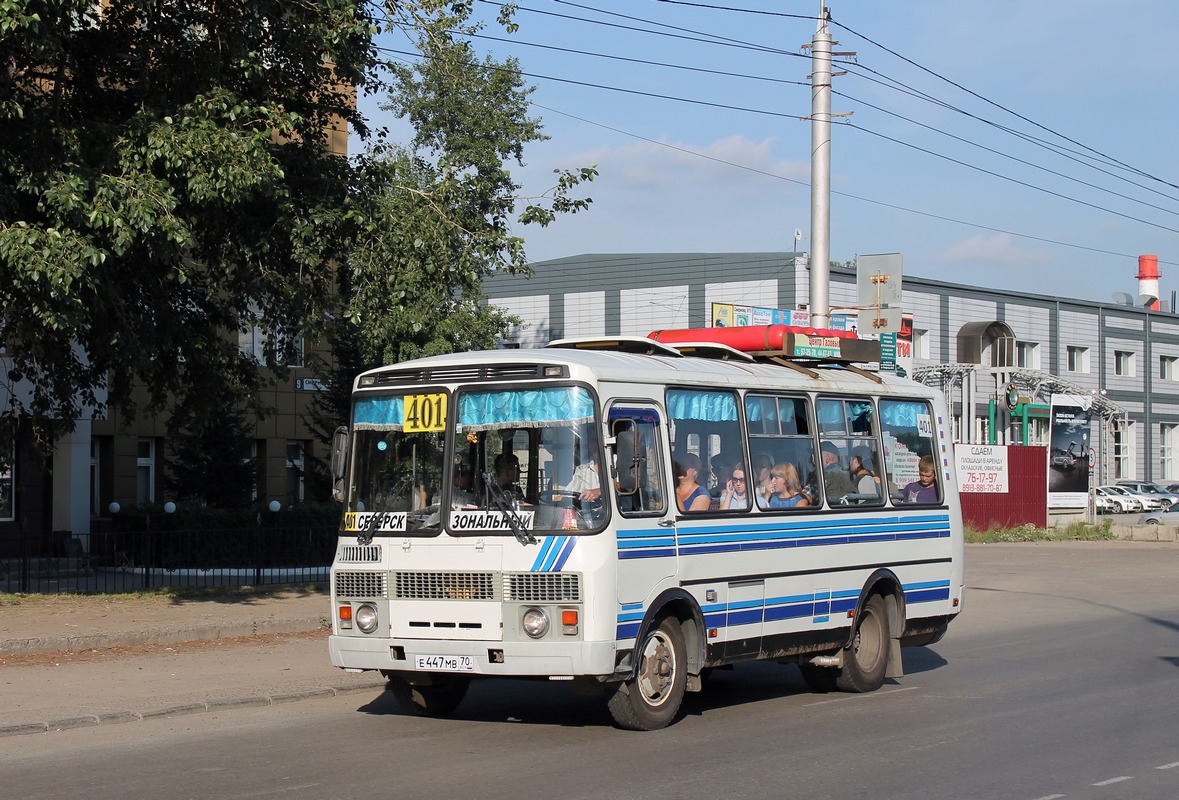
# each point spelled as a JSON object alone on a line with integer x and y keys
{"x": 165, "y": 595}
{"x": 1079, "y": 531}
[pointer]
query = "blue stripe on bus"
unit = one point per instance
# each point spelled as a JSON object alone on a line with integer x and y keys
{"x": 725, "y": 537}
{"x": 565, "y": 553}
{"x": 554, "y": 551}
{"x": 819, "y": 606}
{"x": 545, "y": 546}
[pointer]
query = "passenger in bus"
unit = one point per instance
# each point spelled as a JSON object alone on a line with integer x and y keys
{"x": 507, "y": 475}
{"x": 867, "y": 482}
{"x": 736, "y": 493}
{"x": 924, "y": 489}
{"x": 761, "y": 473}
{"x": 690, "y": 496}
{"x": 785, "y": 488}
{"x": 835, "y": 479}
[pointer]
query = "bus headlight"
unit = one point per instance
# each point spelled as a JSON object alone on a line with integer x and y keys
{"x": 536, "y": 622}
{"x": 366, "y": 618}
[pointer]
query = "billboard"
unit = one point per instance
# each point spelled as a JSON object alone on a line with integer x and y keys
{"x": 1068, "y": 452}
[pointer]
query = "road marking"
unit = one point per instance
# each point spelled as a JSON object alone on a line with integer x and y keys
{"x": 1112, "y": 781}
{"x": 1050, "y": 797}
{"x": 877, "y": 693}
{"x": 1172, "y": 765}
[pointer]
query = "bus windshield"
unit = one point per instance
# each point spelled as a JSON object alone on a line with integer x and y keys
{"x": 517, "y": 461}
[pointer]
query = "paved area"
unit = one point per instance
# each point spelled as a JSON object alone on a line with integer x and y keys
{"x": 68, "y": 662}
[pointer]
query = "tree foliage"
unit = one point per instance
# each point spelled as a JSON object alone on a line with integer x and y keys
{"x": 164, "y": 177}
{"x": 438, "y": 210}
{"x": 162, "y": 169}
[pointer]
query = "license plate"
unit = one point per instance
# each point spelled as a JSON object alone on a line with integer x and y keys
{"x": 446, "y": 663}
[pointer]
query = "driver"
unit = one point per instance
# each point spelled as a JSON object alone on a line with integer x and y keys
{"x": 585, "y": 483}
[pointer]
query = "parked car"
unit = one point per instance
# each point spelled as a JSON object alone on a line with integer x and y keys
{"x": 1107, "y": 505}
{"x": 1159, "y": 518}
{"x": 1119, "y": 499}
{"x": 1147, "y": 487}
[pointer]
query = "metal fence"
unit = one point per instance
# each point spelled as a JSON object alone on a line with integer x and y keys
{"x": 124, "y": 560}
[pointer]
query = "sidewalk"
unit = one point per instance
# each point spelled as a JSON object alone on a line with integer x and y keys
{"x": 68, "y": 662}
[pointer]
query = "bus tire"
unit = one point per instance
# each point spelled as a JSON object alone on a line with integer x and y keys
{"x": 651, "y": 699}
{"x": 819, "y": 679}
{"x": 867, "y": 658}
{"x": 436, "y": 699}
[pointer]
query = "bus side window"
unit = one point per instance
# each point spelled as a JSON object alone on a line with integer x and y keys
{"x": 637, "y": 468}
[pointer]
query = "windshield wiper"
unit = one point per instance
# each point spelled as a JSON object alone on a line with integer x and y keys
{"x": 365, "y": 536}
{"x": 500, "y": 499}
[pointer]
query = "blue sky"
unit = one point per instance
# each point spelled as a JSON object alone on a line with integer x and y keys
{"x": 694, "y": 160}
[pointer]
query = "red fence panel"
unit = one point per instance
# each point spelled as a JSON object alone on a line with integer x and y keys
{"x": 1026, "y": 500}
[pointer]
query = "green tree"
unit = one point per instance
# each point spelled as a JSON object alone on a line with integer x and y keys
{"x": 437, "y": 211}
{"x": 165, "y": 182}
{"x": 435, "y": 215}
{"x": 163, "y": 170}
{"x": 209, "y": 464}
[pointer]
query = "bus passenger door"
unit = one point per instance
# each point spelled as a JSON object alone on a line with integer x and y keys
{"x": 646, "y": 540}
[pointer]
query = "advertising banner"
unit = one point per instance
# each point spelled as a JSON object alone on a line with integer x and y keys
{"x": 1068, "y": 452}
{"x": 722, "y": 315}
{"x": 982, "y": 468}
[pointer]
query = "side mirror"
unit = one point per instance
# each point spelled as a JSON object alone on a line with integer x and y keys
{"x": 339, "y": 463}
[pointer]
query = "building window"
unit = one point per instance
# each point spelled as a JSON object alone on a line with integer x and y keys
{"x": 1078, "y": 359}
{"x": 265, "y": 345}
{"x": 7, "y": 487}
{"x": 1124, "y": 364}
{"x": 145, "y": 471}
{"x": 920, "y": 344}
{"x": 1169, "y": 450}
{"x": 1167, "y": 370}
{"x": 1125, "y": 451}
{"x": 95, "y": 472}
{"x": 1027, "y": 355}
{"x": 295, "y": 452}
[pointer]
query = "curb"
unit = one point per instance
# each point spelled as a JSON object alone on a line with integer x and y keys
{"x": 212, "y": 630}
{"x": 119, "y": 717}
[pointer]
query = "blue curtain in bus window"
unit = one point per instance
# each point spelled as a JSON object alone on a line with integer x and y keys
{"x": 383, "y": 413}
{"x": 901, "y": 413}
{"x": 705, "y": 406}
{"x": 860, "y": 415}
{"x": 831, "y": 419}
{"x": 533, "y": 408}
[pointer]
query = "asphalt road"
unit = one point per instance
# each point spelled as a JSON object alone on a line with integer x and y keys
{"x": 1061, "y": 679}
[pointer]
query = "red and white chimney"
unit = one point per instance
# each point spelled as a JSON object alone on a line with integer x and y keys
{"x": 1148, "y": 279}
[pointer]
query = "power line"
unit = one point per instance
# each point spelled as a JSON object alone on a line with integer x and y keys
{"x": 893, "y": 206}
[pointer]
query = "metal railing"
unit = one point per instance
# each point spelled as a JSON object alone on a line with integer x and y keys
{"x": 125, "y": 560}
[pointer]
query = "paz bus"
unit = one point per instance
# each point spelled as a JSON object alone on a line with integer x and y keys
{"x": 521, "y": 514}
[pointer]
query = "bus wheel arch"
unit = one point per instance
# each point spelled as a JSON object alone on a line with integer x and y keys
{"x": 873, "y": 649}
{"x": 668, "y": 650}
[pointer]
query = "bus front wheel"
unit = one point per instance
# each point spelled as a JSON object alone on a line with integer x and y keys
{"x": 651, "y": 699}
{"x": 867, "y": 658}
{"x": 436, "y": 699}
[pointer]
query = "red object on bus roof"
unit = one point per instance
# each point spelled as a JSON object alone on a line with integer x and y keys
{"x": 746, "y": 338}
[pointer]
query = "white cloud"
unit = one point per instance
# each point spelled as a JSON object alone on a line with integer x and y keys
{"x": 996, "y": 249}
{"x": 664, "y": 197}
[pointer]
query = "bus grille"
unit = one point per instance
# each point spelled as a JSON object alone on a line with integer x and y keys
{"x": 542, "y": 587}
{"x": 444, "y": 586}
{"x": 359, "y": 554}
{"x": 361, "y": 584}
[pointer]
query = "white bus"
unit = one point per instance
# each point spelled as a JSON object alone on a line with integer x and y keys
{"x": 574, "y": 513}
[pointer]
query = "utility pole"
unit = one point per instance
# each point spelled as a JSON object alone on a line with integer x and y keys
{"x": 820, "y": 257}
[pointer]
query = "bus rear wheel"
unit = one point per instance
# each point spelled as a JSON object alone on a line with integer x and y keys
{"x": 436, "y": 699}
{"x": 867, "y": 658}
{"x": 651, "y": 699}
